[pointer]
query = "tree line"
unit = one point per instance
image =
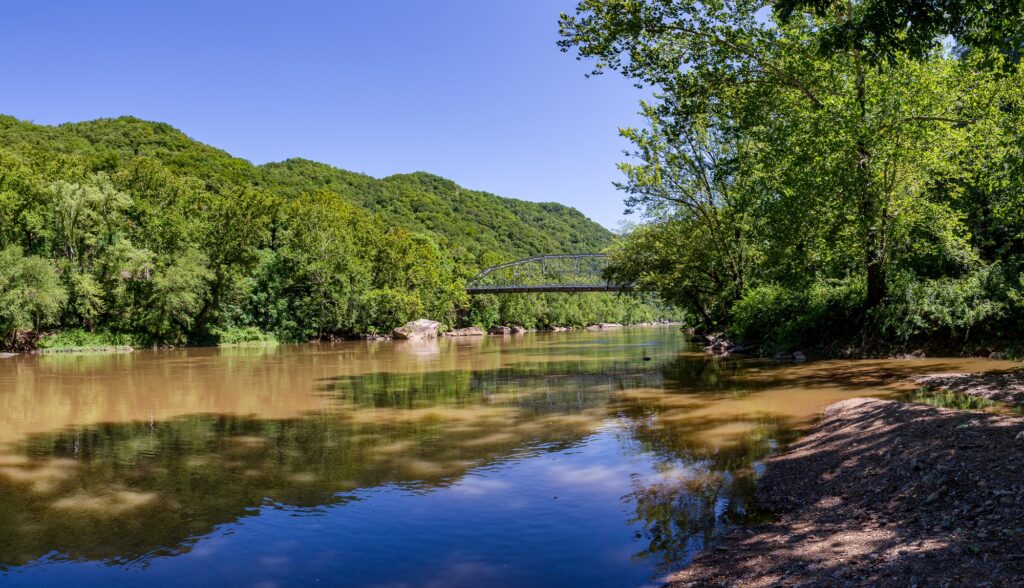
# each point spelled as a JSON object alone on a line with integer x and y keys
{"x": 125, "y": 231}
{"x": 840, "y": 175}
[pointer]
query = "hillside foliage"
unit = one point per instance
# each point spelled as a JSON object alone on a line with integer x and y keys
{"x": 131, "y": 228}
{"x": 830, "y": 175}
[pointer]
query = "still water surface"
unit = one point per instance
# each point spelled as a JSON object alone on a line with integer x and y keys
{"x": 590, "y": 459}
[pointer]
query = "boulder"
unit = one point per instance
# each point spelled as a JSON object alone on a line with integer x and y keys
{"x": 418, "y": 329}
{"x": 466, "y": 332}
{"x": 517, "y": 330}
{"x": 783, "y": 356}
{"x": 603, "y": 326}
{"x": 554, "y": 329}
{"x": 798, "y": 356}
{"x": 497, "y": 330}
{"x": 719, "y": 348}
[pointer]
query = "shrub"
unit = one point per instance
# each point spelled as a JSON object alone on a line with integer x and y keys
{"x": 31, "y": 295}
{"x": 781, "y": 319}
{"x": 238, "y": 336}
{"x": 946, "y": 307}
{"x": 82, "y": 340}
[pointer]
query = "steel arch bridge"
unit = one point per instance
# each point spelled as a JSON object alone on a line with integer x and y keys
{"x": 569, "y": 272}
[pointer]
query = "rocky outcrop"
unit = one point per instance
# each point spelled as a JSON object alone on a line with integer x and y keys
{"x": 466, "y": 332}
{"x": 418, "y": 329}
{"x": 604, "y": 326}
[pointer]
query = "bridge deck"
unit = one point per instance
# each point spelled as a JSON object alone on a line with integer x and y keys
{"x": 573, "y": 272}
{"x": 547, "y": 288}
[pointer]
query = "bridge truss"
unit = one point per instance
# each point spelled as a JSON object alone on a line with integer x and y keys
{"x": 573, "y": 272}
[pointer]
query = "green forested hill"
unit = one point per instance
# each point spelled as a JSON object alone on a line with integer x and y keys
{"x": 131, "y": 228}
{"x": 467, "y": 223}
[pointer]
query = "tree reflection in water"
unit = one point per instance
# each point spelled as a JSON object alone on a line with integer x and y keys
{"x": 126, "y": 459}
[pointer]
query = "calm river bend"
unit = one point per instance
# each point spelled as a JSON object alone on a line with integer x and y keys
{"x": 582, "y": 459}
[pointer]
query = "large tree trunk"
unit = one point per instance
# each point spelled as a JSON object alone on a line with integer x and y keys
{"x": 871, "y": 226}
{"x": 870, "y": 206}
{"x": 877, "y": 290}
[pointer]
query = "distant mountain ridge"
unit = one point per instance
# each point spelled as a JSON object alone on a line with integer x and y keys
{"x": 474, "y": 227}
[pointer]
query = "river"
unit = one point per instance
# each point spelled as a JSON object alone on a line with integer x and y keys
{"x": 580, "y": 459}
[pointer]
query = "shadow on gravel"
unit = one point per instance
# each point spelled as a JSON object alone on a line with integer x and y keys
{"x": 883, "y": 493}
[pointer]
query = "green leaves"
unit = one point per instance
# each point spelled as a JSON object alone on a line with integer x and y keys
{"x": 31, "y": 295}
{"x": 153, "y": 234}
{"x": 788, "y": 156}
{"x": 888, "y": 29}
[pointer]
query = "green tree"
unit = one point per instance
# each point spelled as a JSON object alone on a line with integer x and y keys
{"x": 177, "y": 293}
{"x": 31, "y": 295}
{"x": 888, "y": 28}
{"x": 836, "y": 157}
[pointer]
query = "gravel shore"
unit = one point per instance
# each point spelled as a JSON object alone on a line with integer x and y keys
{"x": 883, "y": 493}
{"x": 999, "y": 386}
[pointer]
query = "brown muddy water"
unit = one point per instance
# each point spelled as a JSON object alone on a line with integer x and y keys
{"x": 540, "y": 460}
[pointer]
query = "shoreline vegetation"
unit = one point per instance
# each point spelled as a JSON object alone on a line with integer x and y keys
{"x": 839, "y": 178}
{"x": 78, "y": 341}
{"x": 132, "y": 229}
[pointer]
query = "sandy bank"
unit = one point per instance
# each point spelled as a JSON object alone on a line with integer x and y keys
{"x": 882, "y": 493}
{"x": 1000, "y": 386}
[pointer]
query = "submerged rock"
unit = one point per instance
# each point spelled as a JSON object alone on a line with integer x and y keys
{"x": 418, "y": 329}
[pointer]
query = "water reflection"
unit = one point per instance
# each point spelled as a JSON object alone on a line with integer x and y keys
{"x": 510, "y": 458}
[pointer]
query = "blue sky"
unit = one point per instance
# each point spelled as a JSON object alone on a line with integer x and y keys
{"x": 473, "y": 90}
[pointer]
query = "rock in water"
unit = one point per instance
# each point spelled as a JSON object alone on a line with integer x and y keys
{"x": 517, "y": 330}
{"x": 798, "y": 356}
{"x": 418, "y": 329}
{"x": 500, "y": 331}
{"x": 603, "y": 326}
{"x": 466, "y": 332}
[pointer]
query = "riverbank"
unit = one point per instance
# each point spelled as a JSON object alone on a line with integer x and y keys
{"x": 80, "y": 341}
{"x": 883, "y": 493}
{"x": 994, "y": 386}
